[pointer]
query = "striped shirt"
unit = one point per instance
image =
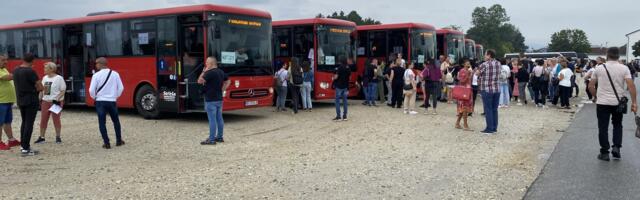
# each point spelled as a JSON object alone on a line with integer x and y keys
{"x": 488, "y": 78}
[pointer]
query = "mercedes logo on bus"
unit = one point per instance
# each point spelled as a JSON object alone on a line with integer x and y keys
{"x": 250, "y": 92}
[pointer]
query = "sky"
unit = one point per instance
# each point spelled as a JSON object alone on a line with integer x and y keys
{"x": 606, "y": 23}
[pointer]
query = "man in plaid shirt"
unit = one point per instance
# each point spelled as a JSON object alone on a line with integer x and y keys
{"x": 488, "y": 74}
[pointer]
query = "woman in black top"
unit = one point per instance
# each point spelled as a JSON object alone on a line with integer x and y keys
{"x": 523, "y": 79}
{"x": 397, "y": 83}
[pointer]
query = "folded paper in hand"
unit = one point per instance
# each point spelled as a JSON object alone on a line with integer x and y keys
{"x": 55, "y": 109}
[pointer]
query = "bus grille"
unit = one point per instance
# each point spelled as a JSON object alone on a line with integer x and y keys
{"x": 249, "y": 93}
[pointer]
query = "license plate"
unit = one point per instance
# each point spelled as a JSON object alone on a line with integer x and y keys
{"x": 250, "y": 103}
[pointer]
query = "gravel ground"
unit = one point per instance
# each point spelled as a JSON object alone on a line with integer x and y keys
{"x": 379, "y": 153}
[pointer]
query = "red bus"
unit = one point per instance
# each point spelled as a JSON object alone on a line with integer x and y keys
{"x": 320, "y": 41}
{"x": 158, "y": 53}
{"x": 470, "y": 49}
{"x": 416, "y": 42}
{"x": 451, "y": 43}
{"x": 479, "y": 53}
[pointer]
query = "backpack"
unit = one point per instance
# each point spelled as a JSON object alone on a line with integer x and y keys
{"x": 504, "y": 75}
{"x": 449, "y": 77}
{"x": 296, "y": 78}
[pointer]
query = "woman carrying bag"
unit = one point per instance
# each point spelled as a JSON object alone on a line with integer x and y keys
{"x": 409, "y": 90}
{"x": 462, "y": 93}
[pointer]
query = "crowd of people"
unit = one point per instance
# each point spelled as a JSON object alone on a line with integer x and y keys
{"x": 31, "y": 93}
{"x": 499, "y": 82}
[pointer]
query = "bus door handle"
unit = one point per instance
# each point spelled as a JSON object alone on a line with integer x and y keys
{"x": 71, "y": 83}
{"x": 186, "y": 88}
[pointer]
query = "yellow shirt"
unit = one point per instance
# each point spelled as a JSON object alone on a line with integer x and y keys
{"x": 7, "y": 90}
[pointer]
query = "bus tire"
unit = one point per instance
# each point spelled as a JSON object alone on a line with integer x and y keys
{"x": 147, "y": 102}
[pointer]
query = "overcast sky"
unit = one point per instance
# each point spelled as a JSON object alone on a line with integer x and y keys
{"x": 603, "y": 21}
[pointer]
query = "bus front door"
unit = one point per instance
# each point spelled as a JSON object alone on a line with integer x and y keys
{"x": 76, "y": 52}
{"x": 192, "y": 59}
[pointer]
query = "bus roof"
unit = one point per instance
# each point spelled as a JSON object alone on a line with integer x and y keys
{"x": 396, "y": 26}
{"x": 326, "y": 21}
{"x": 145, "y": 13}
{"x": 448, "y": 31}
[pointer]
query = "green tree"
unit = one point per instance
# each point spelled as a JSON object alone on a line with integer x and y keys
{"x": 352, "y": 16}
{"x": 491, "y": 28}
{"x": 636, "y": 49}
{"x": 570, "y": 40}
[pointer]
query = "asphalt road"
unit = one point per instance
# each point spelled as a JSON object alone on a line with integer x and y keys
{"x": 573, "y": 172}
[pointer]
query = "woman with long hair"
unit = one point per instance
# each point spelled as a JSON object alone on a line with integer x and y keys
{"x": 307, "y": 86}
{"x": 464, "y": 106}
{"x": 409, "y": 90}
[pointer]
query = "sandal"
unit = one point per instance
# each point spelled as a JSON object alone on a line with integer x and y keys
{"x": 458, "y": 127}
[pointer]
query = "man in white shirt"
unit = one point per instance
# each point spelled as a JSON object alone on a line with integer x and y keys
{"x": 105, "y": 89}
{"x": 607, "y": 97}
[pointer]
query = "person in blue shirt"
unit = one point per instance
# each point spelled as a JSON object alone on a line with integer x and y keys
{"x": 307, "y": 86}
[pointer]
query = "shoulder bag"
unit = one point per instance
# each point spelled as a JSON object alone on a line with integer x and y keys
{"x": 105, "y": 82}
{"x": 622, "y": 102}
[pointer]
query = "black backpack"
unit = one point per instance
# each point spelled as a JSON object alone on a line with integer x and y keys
{"x": 297, "y": 78}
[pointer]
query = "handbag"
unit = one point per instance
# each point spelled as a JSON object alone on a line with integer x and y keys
{"x": 637, "y": 126}
{"x": 461, "y": 93}
{"x": 407, "y": 87}
{"x": 622, "y": 102}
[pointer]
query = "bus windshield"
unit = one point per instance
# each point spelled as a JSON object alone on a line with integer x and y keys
{"x": 423, "y": 46}
{"x": 242, "y": 44}
{"x": 455, "y": 47}
{"x": 470, "y": 50}
{"x": 333, "y": 42}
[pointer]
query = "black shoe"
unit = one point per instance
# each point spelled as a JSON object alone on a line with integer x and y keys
{"x": 208, "y": 142}
{"x": 219, "y": 140}
{"x": 470, "y": 115}
{"x": 40, "y": 140}
{"x": 120, "y": 143}
{"x": 58, "y": 140}
{"x": 525, "y": 102}
{"x": 336, "y": 119}
{"x": 106, "y": 146}
{"x": 615, "y": 152}
{"x": 604, "y": 156}
{"x": 390, "y": 105}
{"x": 482, "y": 114}
{"x": 364, "y": 103}
{"x": 344, "y": 118}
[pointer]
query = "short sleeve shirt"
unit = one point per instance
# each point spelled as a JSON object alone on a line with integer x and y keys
{"x": 619, "y": 74}
{"x": 25, "y": 80}
{"x": 566, "y": 77}
{"x": 7, "y": 91}
{"x": 214, "y": 80}
{"x": 343, "y": 73}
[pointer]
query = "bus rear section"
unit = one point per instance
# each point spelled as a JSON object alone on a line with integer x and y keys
{"x": 479, "y": 53}
{"x": 415, "y": 41}
{"x": 470, "y": 49}
{"x": 320, "y": 42}
{"x": 159, "y": 54}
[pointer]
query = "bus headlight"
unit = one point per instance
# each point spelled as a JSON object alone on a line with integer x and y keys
{"x": 270, "y": 90}
{"x": 324, "y": 85}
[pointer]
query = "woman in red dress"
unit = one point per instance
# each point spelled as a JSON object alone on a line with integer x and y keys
{"x": 464, "y": 106}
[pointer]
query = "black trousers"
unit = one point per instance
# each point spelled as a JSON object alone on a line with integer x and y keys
{"x": 28, "y": 114}
{"x": 565, "y": 94}
{"x": 604, "y": 113}
{"x": 294, "y": 90}
{"x": 396, "y": 94}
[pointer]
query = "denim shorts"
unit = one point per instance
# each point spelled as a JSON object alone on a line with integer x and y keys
{"x": 6, "y": 113}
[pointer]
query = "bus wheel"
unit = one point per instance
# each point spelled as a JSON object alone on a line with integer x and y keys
{"x": 147, "y": 102}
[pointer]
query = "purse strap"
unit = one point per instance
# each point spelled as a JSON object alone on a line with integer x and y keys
{"x": 105, "y": 82}
{"x": 612, "y": 85}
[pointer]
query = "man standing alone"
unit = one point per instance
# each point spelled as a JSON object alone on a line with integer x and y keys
{"x": 488, "y": 74}
{"x": 611, "y": 77}
{"x": 341, "y": 83}
{"x": 106, "y": 87}
{"x": 27, "y": 87}
{"x": 215, "y": 83}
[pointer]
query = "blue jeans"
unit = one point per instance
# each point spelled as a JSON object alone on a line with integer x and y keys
{"x": 490, "y": 104}
{"x": 371, "y": 93}
{"x": 108, "y": 107}
{"x": 214, "y": 113}
{"x": 282, "y": 97}
{"x": 341, "y": 94}
{"x": 504, "y": 94}
{"x": 305, "y": 90}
